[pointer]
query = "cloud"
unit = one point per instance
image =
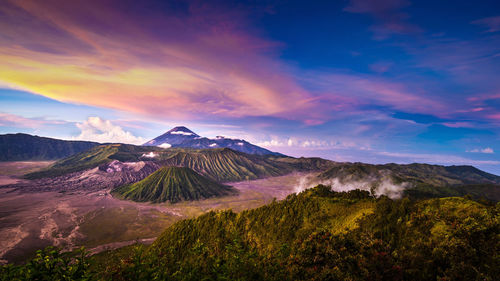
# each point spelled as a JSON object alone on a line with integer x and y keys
{"x": 387, "y": 13}
{"x": 99, "y": 130}
{"x": 350, "y": 91}
{"x": 487, "y": 150}
{"x": 294, "y": 142}
{"x": 13, "y": 120}
{"x": 206, "y": 61}
{"x": 492, "y": 23}
{"x": 165, "y": 145}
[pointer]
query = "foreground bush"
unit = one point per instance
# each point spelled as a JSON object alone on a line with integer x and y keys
{"x": 315, "y": 235}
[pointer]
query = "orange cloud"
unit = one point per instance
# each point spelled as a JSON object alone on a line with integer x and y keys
{"x": 157, "y": 65}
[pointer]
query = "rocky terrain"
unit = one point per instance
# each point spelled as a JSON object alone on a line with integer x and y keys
{"x": 105, "y": 176}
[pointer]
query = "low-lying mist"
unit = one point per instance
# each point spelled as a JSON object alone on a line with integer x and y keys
{"x": 376, "y": 186}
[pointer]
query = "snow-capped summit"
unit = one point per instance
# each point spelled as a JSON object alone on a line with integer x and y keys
{"x": 185, "y": 138}
{"x": 173, "y": 137}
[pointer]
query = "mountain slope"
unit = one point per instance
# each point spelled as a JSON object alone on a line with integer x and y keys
{"x": 94, "y": 157}
{"x": 221, "y": 165}
{"x": 416, "y": 180}
{"x": 105, "y": 176}
{"x": 182, "y": 137}
{"x": 419, "y": 174}
{"x": 325, "y": 235}
{"x": 172, "y": 137}
{"x": 23, "y": 147}
{"x": 173, "y": 184}
{"x": 225, "y": 165}
{"x": 222, "y": 142}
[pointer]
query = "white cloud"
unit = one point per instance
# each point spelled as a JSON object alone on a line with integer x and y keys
{"x": 149, "y": 155}
{"x": 165, "y": 145}
{"x": 181, "y": 133}
{"x": 310, "y": 144}
{"x": 100, "y": 130}
{"x": 487, "y": 150}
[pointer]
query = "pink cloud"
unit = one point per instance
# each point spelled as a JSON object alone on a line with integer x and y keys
{"x": 354, "y": 91}
{"x": 381, "y": 67}
{"x": 460, "y": 124}
{"x": 377, "y": 7}
{"x": 492, "y": 23}
{"x": 13, "y": 120}
{"x": 387, "y": 13}
{"x": 494, "y": 116}
{"x": 170, "y": 65}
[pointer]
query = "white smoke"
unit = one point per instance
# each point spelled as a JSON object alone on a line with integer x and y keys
{"x": 377, "y": 187}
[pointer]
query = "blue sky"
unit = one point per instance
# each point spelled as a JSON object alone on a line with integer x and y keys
{"x": 373, "y": 81}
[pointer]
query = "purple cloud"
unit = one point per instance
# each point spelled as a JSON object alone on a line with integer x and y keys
{"x": 492, "y": 23}
{"x": 387, "y": 13}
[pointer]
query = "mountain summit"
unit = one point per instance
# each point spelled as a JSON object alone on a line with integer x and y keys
{"x": 173, "y": 137}
{"x": 185, "y": 138}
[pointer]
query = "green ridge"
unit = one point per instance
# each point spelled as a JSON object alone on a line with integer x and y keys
{"x": 225, "y": 165}
{"x": 24, "y": 147}
{"x": 426, "y": 180}
{"x": 173, "y": 184}
{"x": 222, "y": 165}
{"x": 324, "y": 235}
{"x": 92, "y": 158}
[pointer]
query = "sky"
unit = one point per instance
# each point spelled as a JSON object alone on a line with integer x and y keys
{"x": 361, "y": 81}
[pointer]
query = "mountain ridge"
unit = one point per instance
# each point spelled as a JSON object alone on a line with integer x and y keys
{"x": 183, "y": 137}
{"x": 23, "y": 147}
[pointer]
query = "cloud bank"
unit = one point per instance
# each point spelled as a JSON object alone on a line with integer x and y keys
{"x": 487, "y": 150}
{"x": 103, "y": 131}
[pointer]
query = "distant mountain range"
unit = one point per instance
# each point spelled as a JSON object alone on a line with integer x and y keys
{"x": 415, "y": 180}
{"x": 185, "y": 138}
{"x": 22, "y": 147}
{"x": 113, "y": 165}
{"x": 219, "y": 164}
{"x": 25, "y": 147}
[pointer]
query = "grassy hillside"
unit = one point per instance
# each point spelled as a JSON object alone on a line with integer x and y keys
{"x": 92, "y": 158}
{"x": 173, "y": 184}
{"x": 420, "y": 174}
{"x": 23, "y": 147}
{"x": 425, "y": 180}
{"x": 225, "y": 165}
{"x": 323, "y": 235}
{"x": 316, "y": 235}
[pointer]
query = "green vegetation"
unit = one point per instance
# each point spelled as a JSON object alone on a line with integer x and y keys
{"x": 225, "y": 165}
{"x": 23, "y": 147}
{"x": 319, "y": 235}
{"x": 50, "y": 264}
{"x": 222, "y": 164}
{"x": 420, "y": 174}
{"x": 476, "y": 191}
{"x": 426, "y": 180}
{"x": 92, "y": 158}
{"x": 173, "y": 184}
